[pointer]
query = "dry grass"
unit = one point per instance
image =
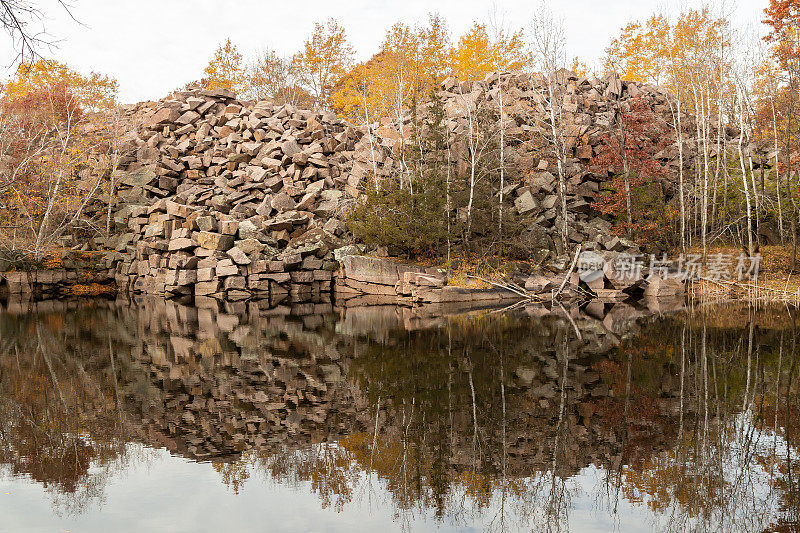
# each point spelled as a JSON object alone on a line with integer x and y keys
{"x": 463, "y": 271}
{"x": 775, "y": 282}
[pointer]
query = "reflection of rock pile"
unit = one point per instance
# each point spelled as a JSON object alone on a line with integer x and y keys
{"x": 223, "y": 383}
{"x": 206, "y": 383}
{"x": 534, "y": 356}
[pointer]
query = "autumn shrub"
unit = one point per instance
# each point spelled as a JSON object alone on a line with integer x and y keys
{"x": 59, "y": 142}
{"x": 92, "y": 289}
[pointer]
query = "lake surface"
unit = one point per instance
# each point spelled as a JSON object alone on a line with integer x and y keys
{"x": 148, "y": 415}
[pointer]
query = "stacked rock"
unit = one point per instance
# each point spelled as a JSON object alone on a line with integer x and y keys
{"x": 233, "y": 201}
{"x": 237, "y": 200}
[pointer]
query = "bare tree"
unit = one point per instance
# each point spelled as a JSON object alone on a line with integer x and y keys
{"x": 548, "y": 50}
{"x": 270, "y": 75}
{"x": 23, "y": 21}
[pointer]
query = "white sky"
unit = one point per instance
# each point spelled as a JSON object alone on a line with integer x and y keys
{"x": 155, "y": 46}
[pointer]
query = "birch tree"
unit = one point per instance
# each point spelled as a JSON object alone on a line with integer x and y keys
{"x": 548, "y": 55}
{"x": 503, "y": 40}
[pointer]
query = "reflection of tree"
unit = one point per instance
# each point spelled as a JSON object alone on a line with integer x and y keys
{"x": 725, "y": 447}
{"x": 58, "y": 423}
{"x": 484, "y": 417}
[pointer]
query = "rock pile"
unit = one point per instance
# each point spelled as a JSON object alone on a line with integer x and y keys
{"x": 233, "y": 201}
{"x": 240, "y": 200}
{"x": 588, "y": 110}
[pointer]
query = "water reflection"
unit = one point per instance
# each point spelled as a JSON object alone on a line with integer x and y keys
{"x": 526, "y": 419}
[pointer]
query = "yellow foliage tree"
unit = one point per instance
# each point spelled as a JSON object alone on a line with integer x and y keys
{"x": 670, "y": 54}
{"x": 326, "y": 57}
{"x": 435, "y": 47}
{"x": 640, "y": 53}
{"x": 477, "y": 54}
{"x": 409, "y": 65}
{"x": 226, "y": 70}
{"x": 92, "y": 91}
{"x": 580, "y": 68}
{"x": 355, "y": 96}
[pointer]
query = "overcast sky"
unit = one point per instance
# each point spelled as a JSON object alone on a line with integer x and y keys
{"x": 155, "y": 46}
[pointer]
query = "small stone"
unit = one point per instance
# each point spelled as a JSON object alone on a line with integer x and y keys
{"x": 228, "y": 227}
{"x": 282, "y": 202}
{"x": 290, "y": 147}
{"x": 181, "y": 244}
{"x": 238, "y": 256}
{"x": 205, "y": 274}
{"x": 215, "y": 241}
{"x": 186, "y": 277}
{"x": 249, "y": 246}
{"x": 226, "y": 268}
{"x": 206, "y": 287}
{"x": 248, "y": 230}
{"x": 234, "y": 282}
{"x": 525, "y": 203}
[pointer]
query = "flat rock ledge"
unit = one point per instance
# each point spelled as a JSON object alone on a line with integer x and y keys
{"x": 363, "y": 280}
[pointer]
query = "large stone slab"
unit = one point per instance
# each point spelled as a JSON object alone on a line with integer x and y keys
{"x": 375, "y": 269}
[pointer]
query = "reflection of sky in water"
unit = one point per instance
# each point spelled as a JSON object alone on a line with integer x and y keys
{"x": 157, "y": 491}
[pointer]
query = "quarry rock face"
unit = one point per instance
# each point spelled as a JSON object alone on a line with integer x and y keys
{"x": 238, "y": 200}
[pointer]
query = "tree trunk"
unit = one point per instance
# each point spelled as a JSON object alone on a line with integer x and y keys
{"x": 744, "y": 179}
{"x": 502, "y": 160}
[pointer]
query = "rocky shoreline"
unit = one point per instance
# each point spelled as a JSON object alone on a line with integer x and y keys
{"x": 239, "y": 201}
{"x": 358, "y": 281}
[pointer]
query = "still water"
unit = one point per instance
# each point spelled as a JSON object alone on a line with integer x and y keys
{"x": 152, "y": 416}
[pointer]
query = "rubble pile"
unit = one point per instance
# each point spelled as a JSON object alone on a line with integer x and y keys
{"x": 240, "y": 200}
{"x": 233, "y": 201}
